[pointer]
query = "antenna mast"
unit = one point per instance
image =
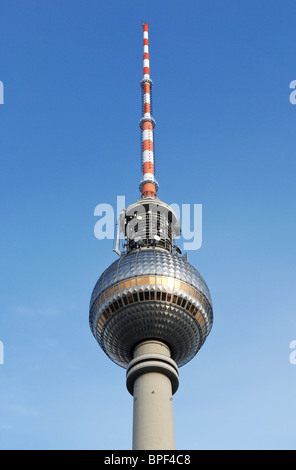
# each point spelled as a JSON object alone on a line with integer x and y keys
{"x": 148, "y": 186}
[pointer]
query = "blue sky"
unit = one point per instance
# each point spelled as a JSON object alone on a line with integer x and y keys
{"x": 70, "y": 140}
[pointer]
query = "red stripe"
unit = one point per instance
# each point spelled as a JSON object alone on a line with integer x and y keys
{"x": 147, "y": 108}
{"x": 148, "y": 190}
{"x": 145, "y": 27}
{"x": 145, "y": 42}
{"x": 146, "y": 55}
{"x": 146, "y": 88}
{"x": 146, "y": 71}
{"x": 148, "y": 167}
{"x": 147, "y": 145}
{"x": 147, "y": 126}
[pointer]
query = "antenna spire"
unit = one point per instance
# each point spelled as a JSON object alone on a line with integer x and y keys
{"x": 148, "y": 186}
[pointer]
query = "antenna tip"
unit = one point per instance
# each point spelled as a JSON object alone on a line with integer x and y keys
{"x": 145, "y": 26}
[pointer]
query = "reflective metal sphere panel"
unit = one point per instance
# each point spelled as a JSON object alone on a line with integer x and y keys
{"x": 151, "y": 294}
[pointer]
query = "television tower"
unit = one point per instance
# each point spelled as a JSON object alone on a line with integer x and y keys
{"x": 151, "y": 310}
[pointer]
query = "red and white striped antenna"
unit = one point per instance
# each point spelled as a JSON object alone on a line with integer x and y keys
{"x": 148, "y": 186}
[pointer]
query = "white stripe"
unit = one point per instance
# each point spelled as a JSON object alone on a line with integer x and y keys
{"x": 147, "y": 156}
{"x": 147, "y": 134}
{"x": 146, "y": 49}
{"x": 148, "y": 176}
{"x": 146, "y": 62}
{"x": 145, "y": 34}
{"x": 147, "y": 98}
{"x": 146, "y": 75}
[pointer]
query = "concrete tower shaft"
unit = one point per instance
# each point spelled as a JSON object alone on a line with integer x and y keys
{"x": 152, "y": 379}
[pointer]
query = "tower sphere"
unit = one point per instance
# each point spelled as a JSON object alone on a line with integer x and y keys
{"x": 150, "y": 293}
